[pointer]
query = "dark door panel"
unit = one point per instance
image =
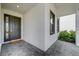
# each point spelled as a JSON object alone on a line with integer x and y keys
{"x": 14, "y": 27}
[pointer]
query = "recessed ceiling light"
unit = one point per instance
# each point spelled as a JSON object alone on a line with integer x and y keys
{"x": 17, "y": 6}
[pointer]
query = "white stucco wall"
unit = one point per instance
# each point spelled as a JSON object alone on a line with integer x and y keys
{"x": 37, "y": 26}
{"x": 49, "y": 39}
{"x": 0, "y": 28}
{"x": 33, "y": 26}
{"x": 4, "y": 11}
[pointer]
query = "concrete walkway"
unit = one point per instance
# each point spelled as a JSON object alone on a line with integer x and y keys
{"x": 61, "y": 48}
{"x": 21, "y": 48}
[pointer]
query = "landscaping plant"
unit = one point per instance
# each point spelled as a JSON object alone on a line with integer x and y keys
{"x": 67, "y": 36}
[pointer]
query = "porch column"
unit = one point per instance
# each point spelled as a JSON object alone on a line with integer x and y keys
{"x": 77, "y": 27}
{"x": 0, "y": 28}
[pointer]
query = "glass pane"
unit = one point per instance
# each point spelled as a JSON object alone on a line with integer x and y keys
{"x": 7, "y": 18}
{"x": 7, "y": 35}
{"x": 51, "y": 20}
{"x": 7, "y": 27}
{"x": 7, "y": 23}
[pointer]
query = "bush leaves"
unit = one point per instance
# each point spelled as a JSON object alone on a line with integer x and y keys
{"x": 67, "y": 36}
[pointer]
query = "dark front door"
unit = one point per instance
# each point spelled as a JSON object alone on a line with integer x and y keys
{"x": 12, "y": 27}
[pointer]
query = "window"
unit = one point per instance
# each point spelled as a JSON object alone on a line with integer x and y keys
{"x": 52, "y": 23}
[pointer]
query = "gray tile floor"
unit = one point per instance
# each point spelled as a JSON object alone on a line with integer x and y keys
{"x": 21, "y": 48}
{"x": 61, "y": 48}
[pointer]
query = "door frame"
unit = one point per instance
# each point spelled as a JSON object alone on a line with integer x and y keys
{"x": 4, "y": 29}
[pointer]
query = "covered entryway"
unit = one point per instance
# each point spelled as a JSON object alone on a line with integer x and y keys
{"x": 35, "y": 29}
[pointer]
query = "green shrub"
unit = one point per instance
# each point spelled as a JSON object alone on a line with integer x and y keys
{"x": 67, "y": 36}
{"x": 72, "y": 36}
